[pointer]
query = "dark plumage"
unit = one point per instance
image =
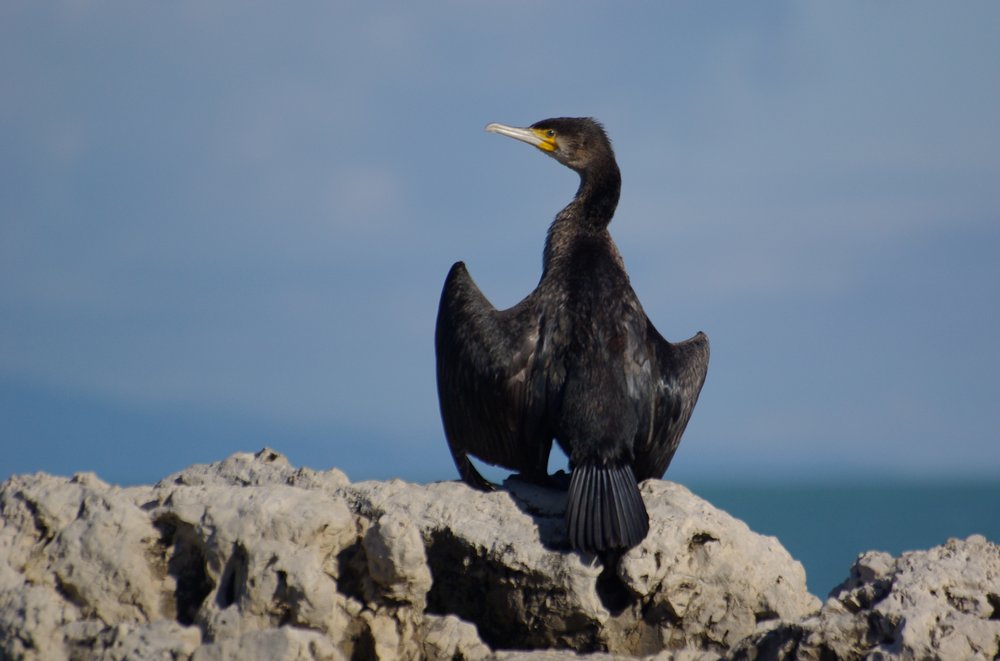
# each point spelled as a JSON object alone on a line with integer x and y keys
{"x": 577, "y": 360}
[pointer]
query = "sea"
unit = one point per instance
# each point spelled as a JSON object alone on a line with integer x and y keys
{"x": 827, "y": 526}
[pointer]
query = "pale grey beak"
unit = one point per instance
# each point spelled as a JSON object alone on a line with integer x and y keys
{"x": 524, "y": 135}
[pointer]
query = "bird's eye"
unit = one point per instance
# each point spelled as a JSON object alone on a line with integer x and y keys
{"x": 550, "y": 133}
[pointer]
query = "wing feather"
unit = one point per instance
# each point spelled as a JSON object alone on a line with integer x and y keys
{"x": 490, "y": 389}
{"x": 680, "y": 370}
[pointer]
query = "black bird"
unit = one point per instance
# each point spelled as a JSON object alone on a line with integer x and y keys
{"x": 577, "y": 360}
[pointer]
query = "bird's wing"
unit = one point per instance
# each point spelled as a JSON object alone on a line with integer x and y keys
{"x": 681, "y": 370}
{"x": 490, "y": 391}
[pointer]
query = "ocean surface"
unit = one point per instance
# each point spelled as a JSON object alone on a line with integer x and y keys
{"x": 826, "y": 526}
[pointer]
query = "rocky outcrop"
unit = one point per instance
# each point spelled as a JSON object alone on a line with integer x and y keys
{"x": 938, "y": 604}
{"x": 251, "y": 558}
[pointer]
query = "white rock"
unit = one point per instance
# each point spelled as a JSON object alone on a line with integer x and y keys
{"x": 163, "y": 639}
{"x": 284, "y": 644}
{"x": 82, "y": 551}
{"x": 252, "y": 558}
{"x": 396, "y": 559}
{"x": 447, "y": 638}
{"x": 33, "y": 623}
{"x": 499, "y": 560}
{"x": 943, "y": 603}
{"x": 261, "y": 468}
{"x": 710, "y": 571}
{"x": 267, "y": 555}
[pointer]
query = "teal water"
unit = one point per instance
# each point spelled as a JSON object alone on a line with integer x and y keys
{"x": 827, "y": 526}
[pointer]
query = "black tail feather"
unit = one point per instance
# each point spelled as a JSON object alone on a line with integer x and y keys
{"x": 605, "y": 509}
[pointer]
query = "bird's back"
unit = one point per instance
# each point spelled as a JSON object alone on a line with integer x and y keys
{"x": 603, "y": 341}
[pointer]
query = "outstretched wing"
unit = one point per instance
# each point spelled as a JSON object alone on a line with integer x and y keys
{"x": 490, "y": 389}
{"x": 681, "y": 370}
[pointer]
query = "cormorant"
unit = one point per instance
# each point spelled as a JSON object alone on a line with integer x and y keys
{"x": 577, "y": 360}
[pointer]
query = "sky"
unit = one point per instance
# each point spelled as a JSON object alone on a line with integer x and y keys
{"x": 226, "y": 225}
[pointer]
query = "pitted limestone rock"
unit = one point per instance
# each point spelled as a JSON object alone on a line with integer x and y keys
{"x": 253, "y": 558}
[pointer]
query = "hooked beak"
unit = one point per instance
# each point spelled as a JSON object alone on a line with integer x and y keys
{"x": 535, "y": 137}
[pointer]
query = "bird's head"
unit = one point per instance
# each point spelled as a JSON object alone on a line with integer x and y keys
{"x": 579, "y": 143}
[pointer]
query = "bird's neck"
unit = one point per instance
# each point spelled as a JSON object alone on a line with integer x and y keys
{"x": 589, "y": 213}
{"x": 597, "y": 197}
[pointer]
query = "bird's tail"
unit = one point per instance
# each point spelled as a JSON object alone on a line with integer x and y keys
{"x": 605, "y": 509}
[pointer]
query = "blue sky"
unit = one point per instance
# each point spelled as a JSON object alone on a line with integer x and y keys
{"x": 226, "y": 225}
